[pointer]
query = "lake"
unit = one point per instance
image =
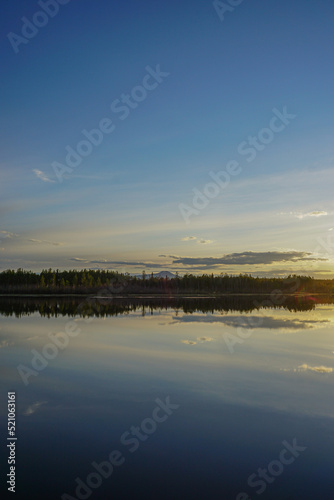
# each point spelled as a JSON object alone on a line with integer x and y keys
{"x": 175, "y": 398}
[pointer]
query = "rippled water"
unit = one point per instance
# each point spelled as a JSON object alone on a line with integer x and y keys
{"x": 181, "y": 399}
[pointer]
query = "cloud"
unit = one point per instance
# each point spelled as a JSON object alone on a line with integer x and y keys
{"x": 55, "y": 243}
{"x": 300, "y": 215}
{"x": 252, "y": 322}
{"x": 246, "y": 258}
{"x": 316, "y": 213}
{"x": 316, "y": 369}
{"x": 194, "y": 238}
{"x": 149, "y": 265}
{"x": 33, "y": 408}
{"x": 187, "y": 264}
{"x": 7, "y": 234}
{"x": 205, "y": 242}
{"x": 42, "y": 176}
{"x": 200, "y": 339}
{"x": 188, "y": 238}
{"x": 5, "y": 343}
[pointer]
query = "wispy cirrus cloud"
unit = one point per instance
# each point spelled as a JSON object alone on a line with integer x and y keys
{"x": 302, "y": 215}
{"x": 194, "y": 238}
{"x": 55, "y": 243}
{"x": 41, "y": 175}
{"x": 33, "y": 408}
{"x": 120, "y": 263}
{"x": 7, "y": 234}
{"x": 5, "y": 343}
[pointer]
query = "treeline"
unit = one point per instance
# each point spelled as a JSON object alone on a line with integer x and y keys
{"x": 109, "y": 283}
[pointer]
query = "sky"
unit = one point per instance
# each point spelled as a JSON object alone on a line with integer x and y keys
{"x": 191, "y": 136}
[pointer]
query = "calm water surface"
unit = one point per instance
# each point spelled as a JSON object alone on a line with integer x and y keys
{"x": 187, "y": 399}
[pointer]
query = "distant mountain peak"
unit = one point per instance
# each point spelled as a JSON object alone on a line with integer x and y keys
{"x": 164, "y": 274}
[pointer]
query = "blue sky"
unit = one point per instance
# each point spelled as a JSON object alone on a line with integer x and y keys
{"x": 130, "y": 203}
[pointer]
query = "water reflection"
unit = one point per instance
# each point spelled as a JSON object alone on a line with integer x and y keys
{"x": 234, "y": 409}
{"x": 87, "y": 306}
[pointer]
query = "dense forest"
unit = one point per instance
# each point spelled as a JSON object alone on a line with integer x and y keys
{"x": 110, "y": 283}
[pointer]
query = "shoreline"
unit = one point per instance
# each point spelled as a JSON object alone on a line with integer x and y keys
{"x": 158, "y": 296}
